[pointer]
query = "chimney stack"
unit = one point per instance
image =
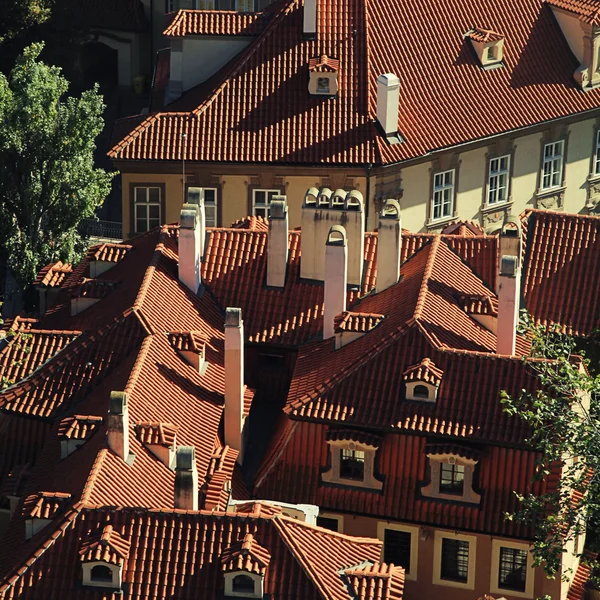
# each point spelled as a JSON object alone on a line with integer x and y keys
{"x": 388, "y": 101}
{"x": 389, "y": 245}
{"x": 234, "y": 380}
{"x": 278, "y": 242}
{"x": 336, "y": 266}
{"x": 310, "y": 19}
{"x": 189, "y": 246}
{"x": 186, "y": 479}
{"x": 118, "y": 425}
{"x": 509, "y": 286}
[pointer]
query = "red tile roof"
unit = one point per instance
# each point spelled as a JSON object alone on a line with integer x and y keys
{"x": 357, "y": 322}
{"x": 216, "y": 22}
{"x": 190, "y": 341}
{"x": 479, "y": 305}
{"x": 157, "y": 434}
{"x": 251, "y": 223}
{"x": 53, "y": 275}
{"x": 246, "y": 555}
{"x": 45, "y": 505}
{"x": 587, "y": 10}
{"x": 93, "y": 288}
{"x": 376, "y": 582}
{"x": 218, "y": 487}
{"x": 354, "y": 435}
{"x": 109, "y": 252}
{"x": 465, "y": 228}
{"x": 425, "y": 370}
{"x": 577, "y": 589}
{"x": 79, "y": 427}
{"x": 110, "y": 547}
{"x": 258, "y": 110}
{"x": 323, "y": 63}
{"x": 454, "y": 449}
{"x": 478, "y": 34}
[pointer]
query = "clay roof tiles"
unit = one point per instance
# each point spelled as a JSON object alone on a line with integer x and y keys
{"x": 216, "y": 22}
{"x": 251, "y": 223}
{"x": 157, "y": 434}
{"x": 474, "y": 304}
{"x": 587, "y": 10}
{"x": 190, "y": 341}
{"x": 357, "y": 322}
{"x": 478, "y": 34}
{"x": 110, "y": 547}
{"x": 453, "y": 449}
{"x": 425, "y": 370}
{"x": 323, "y": 63}
{"x": 93, "y": 288}
{"x": 53, "y": 275}
{"x": 45, "y": 505}
{"x": 109, "y": 252}
{"x": 354, "y": 435}
{"x": 246, "y": 555}
{"x": 377, "y": 581}
{"x": 277, "y": 121}
{"x": 79, "y": 427}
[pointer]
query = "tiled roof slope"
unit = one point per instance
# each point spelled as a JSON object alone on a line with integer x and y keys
{"x": 176, "y": 553}
{"x": 587, "y": 10}
{"x": 53, "y": 275}
{"x": 216, "y": 22}
{"x": 562, "y": 270}
{"x": 260, "y": 112}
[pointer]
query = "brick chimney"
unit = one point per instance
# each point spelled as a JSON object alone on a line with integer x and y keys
{"x": 320, "y": 211}
{"x": 190, "y": 246}
{"x": 509, "y": 285}
{"x": 186, "y": 478}
{"x": 310, "y": 19}
{"x": 388, "y": 100}
{"x": 234, "y": 380}
{"x": 278, "y": 242}
{"x": 389, "y": 245}
{"x": 118, "y": 425}
{"x": 336, "y": 267}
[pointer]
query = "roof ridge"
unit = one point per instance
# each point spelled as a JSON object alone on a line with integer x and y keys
{"x": 424, "y": 289}
{"x": 91, "y": 479}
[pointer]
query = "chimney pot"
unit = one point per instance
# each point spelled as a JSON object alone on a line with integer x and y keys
{"x": 389, "y": 245}
{"x": 233, "y": 317}
{"x": 186, "y": 478}
{"x": 388, "y": 101}
{"x": 336, "y": 267}
{"x": 277, "y": 251}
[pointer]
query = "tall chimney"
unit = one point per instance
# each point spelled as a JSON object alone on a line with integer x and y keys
{"x": 336, "y": 268}
{"x": 189, "y": 246}
{"x": 509, "y": 285}
{"x": 278, "y": 242}
{"x": 388, "y": 100}
{"x": 186, "y": 478}
{"x": 310, "y": 19}
{"x": 389, "y": 245}
{"x": 118, "y": 425}
{"x": 234, "y": 380}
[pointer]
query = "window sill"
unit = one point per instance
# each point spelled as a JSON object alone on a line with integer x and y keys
{"x": 542, "y": 193}
{"x": 370, "y": 485}
{"x": 491, "y": 208}
{"x": 433, "y": 224}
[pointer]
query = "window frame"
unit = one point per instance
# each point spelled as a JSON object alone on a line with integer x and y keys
{"x": 437, "y": 559}
{"x": 332, "y": 473}
{"x": 431, "y": 489}
{"x": 440, "y": 189}
{"x": 596, "y": 155}
{"x": 351, "y": 456}
{"x": 215, "y": 204}
{"x": 252, "y": 195}
{"x": 498, "y": 173}
{"x": 551, "y": 160}
{"x": 455, "y": 470}
{"x": 415, "y": 533}
{"x": 245, "y": 3}
{"x": 132, "y": 214}
{"x": 497, "y": 545}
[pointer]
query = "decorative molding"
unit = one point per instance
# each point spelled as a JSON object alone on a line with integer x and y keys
{"x": 553, "y": 199}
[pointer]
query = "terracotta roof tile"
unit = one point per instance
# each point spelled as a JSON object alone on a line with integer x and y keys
{"x": 20, "y": 323}
{"x": 258, "y": 509}
{"x": 377, "y": 581}
{"x": 110, "y": 547}
{"x": 478, "y": 34}
{"x": 251, "y": 224}
{"x": 464, "y": 228}
{"x": 15, "y": 480}
{"x": 455, "y": 449}
{"x": 479, "y": 305}
{"x": 354, "y": 435}
{"x": 190, "y": 341}
{"x": 587, "y": 10}
{"x": 425, "y": 370}
{"x": 109, "y": 252}
{"x": 79, "y": 427}
{"x": 157, "y": 434}
{"x": 357, "y": 322}
{"x": 323, "y": 63}
{"x": 45, "y": 505}
{"x": 93, "y": 288}
{"x": 246, "y": 555}
{"x": 216, "y": 22}
{"x": 53, "y": 275}
{"x": 577, "y": 589}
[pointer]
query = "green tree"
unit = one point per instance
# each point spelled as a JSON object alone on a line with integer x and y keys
{"x": 20, "y": 15}
{"x": 564, "y": 420}
{"x": 48, "y": 182}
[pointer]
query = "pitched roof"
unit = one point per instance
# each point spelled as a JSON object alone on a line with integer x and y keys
{"x": 478, "y": 34}
{"x": 45, "y": 505}
{"x": 323, "y": 63}
{"x": 79, "y": 427}
{"x": 216, "y": 22}
{"x": 474, "y": 304}
{"x": 357, "y": 322}
{"x": 424, "y": 370}
{"x": 256, "y": 108}
{"x": 376, "y": 581}
{"x": 53, "y": 275}
{"x": 587, "y": 10}
{"x": 157, "y": 434}
{"x": 110, "y": 252}
{"x": 246, "y": 555}
{"x": 110, "y": 546}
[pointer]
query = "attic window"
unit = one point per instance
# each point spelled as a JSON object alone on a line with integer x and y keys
{"x": 244, "y": 567}
{"x": 103, "y": 558}
{"x": 323, "y": 76}
{"x": 422, "y": 381}
{"x": 421, "y": 392}
{"x": 243, "y": 584}
{"x": 488, "y": 45}
{"x": 101, "y": 574}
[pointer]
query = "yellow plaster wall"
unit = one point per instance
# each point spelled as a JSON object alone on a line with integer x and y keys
{"x": 526, "y": 166}
{"x": 235, "y": 198}
{"x": 579, "y": 150}
{"x": 471, "y": 182}
{"x": 416, "y": 184}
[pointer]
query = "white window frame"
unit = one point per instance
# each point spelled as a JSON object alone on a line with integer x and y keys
{"x": 414, "y": 544}
{"x": 554, "y": 161}
{"x": 147, "y": 204}
{"x": 437, "y": 559}
{"x": 440, "y": 187}
{"x": 269, "y": 194}
{"x": 495, "y": 572}
{"x": 334, "y": 517}
{"x": 213, "y": 205}
{"x": 495, "y": 174}
{"x": 597, "y": 154}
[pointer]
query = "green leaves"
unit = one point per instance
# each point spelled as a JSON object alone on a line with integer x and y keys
{"x": 48, "y": 182}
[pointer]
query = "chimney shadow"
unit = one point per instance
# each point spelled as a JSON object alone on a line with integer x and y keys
{"x": 188, "y": 387}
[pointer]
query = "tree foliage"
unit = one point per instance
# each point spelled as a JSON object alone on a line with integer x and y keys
{"x": 564, "y": 420}
{"x": 20, "y": 15}
{"x": 48, "y": 182}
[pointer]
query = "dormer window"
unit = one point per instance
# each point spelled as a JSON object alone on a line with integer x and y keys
{"x": 451, "y": 473}
{"x": 352, "y": 458}
{"x": 423, "y": 381}
{"x": 101, "y": 574}
{"x": 243, "y": 584}
{"x": 103, "y": 558}
{"x": 323, "y": 76}
{"x": 488, "y": 45}
{"x": 244, "y": 567}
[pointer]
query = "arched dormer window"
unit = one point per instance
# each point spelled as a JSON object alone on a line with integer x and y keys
{"x": 114, "y": 550}
{"x": 422, "y": 381}
{"x": 101, "y": 574}
{"x": 249, "y": 581}
{"x": 421, "y": 392}
{"x": 243, "y": 584}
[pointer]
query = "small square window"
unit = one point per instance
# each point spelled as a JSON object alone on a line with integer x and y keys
{"x": 455, "y": 560}
{"x": 261, "y": 200}
{"x": 352, "y": 464}
{"x": 512, "y": 570}
{"x": 452, "y": 479}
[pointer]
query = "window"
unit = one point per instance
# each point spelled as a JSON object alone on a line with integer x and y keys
{"x": 498, "y": 180}
{"x": 243, "y": 584}
{"x": 169, "y": 6}
{"x": 455, "y": 560}
{"x": 396, "y": 548}
{"x": 512, "y": 571}
{"x": 421, "y": 392}
{"x": 452, "y": 479}
{"x": 210, "y": 203}
{"x": 491, "y": 53}
{"x": 328, "y": 523}
{"x": 352, "y": 464}
{"x": 553, "y": 165}
{"x": 244, "y": 5}
{"x": 323, "y": 85}
{"x": 147, "y": 208}
{"x": 443, "y": 195}
{"x": 204, "y": 4}
{"x": 102, "y": 573}
{"x": 261, "y": 200}
{"x": 597, "y": 154}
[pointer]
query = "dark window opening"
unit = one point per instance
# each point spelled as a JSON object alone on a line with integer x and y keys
{"x": 452, "y": 479}
{"x": 102, "y": 573}
{"x": 244, "y": 584}
{"x": 455, "y": 560}
{"x": 396, "y": 548}
{"x": 352, "y": 464}
{"x": 512, "y": 573}
{"x": 273, "y": 362}
{"x": 328, "y": 523}
{"x": 421, "y": 391}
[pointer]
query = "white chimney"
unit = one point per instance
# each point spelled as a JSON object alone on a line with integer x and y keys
{"x": 336, "y": 267}
{"x": 196, "y": 196}
{"x": 234, "y": 380}
{"x": 388, "y": 101}
{"x": 389, "y": 245}
{"x": 186, "y": 479}
{"x": 189, "y": 246}
{"x": 509, "y": 286}
{"x": 118, "y": 425}
{"x": 310, "y": 19}
{"x": 278, "y": 242}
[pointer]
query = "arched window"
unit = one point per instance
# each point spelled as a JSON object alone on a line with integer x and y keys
{"x": 243, "y": 584}
{"x": 421, "y": 391}
{"x": 102, "y": 573}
